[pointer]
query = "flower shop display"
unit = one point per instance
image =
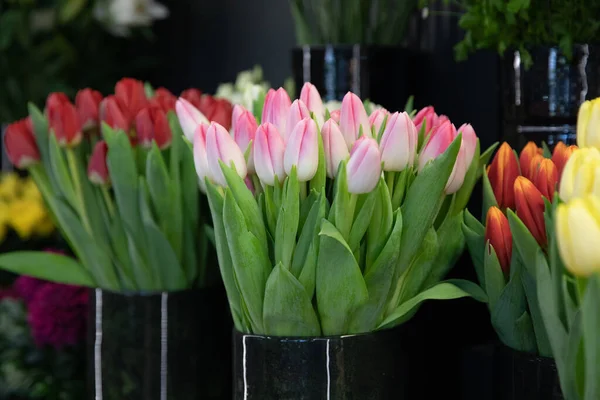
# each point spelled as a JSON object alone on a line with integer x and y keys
{"x": 42, "y": 340}
{"x": 569, "y": 285}
{"x": 119, "y": 180}
{"x": 517, "y": 189}
{"x": 328, "y": 233}
{"x": 355, "y": 46}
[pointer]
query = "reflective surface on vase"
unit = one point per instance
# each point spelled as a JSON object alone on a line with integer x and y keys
{"x": 361, "y": 367}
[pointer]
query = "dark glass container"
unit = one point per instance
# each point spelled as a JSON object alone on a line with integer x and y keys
{"x": 159, "y": 346}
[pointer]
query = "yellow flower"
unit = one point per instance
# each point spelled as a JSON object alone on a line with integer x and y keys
{"x": 10, "y": 185}
{"x": 45, "y": 227}
{"x": 578, "y": 235}
{"x": 4, "y": 216}
{"x": 588, "y": 124}
{"x": 581, "y": 175}
{"x": 25, "y": 215}
{"x": 30, "y": 190}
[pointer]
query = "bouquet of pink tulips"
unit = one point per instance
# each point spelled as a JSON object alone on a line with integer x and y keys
{"x": 334, "y": 223}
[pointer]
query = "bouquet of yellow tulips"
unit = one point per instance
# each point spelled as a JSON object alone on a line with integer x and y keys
{"x": 569, "y": 279}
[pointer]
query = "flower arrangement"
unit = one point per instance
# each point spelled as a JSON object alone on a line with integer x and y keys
{"x": 569, "y": 279}
{"x": 112, "y": 171}
{"x": 517, "y": 189}
{"x": 42, "y": 333}
{"x": 329, "y": 225}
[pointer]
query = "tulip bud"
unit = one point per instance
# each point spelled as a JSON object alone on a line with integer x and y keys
{"x": 237, "y": 111}
{"x": 469, "y": 138}
{"x": 19, "y": 142}
{"x": 97, "y": 169}
{"x": 249, "y": 184}
{"x": 164, "y": 99}
{"x": 534, "y": 166}
{"x": 588, "y": 124}
{"x": 530, "y": 208}
{"x": 364, "y": 166}
{"x": 88, "y": 103}
{"x": 132, "y": 95}
{"x": 334, "y": 146}
{"x": 151, "y": 124}
{"x": 561, "y": 155}
{"x": 114, "y": 114}
{"x": 502, "y": 174}
{"x": 244, "y": 132}
{"x": 312, "y": 99}
{"x": 54, "y": 100}
{"x": 335, "y": 116}
{"x": 189, "y": 117}
{"x": 578, "y": 235}
{"x": 376, "y": 119}
{"x": 200, "y": 156}
{"x": 64, "y": 122}
{"x": 268, "y": 154}
{"x": 526, "y": 159}
{"x": 220, "y": 146}
{"x": 546, "y": 178}
{"x": 298, "y": 112}
{"x": 302, "y": 150}
{"x": 221, "y": 113}
{"x": 277, "y": 109}
{"x": 581, "y": 175}
{"x": 497, "y": 233}
{"x": 399, "y": 142}
{"x": 428, "y": 117}
{"x": 193, "y": 96}
{"x": 353, "y": 117}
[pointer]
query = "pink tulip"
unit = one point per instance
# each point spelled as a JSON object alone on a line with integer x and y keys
{"x": 189, "y": 117}
{"x": 439, "y": 142}
{"x": 428, "y": 116}
{"x": 220, "y": 146}
{"x": 298, "y": 111}
{"x": 312, "y": 99}
{"x": 243, "y": 133}
{"x": 364, "y": 166}
{"x": 469, "y": 138}
{"x": 235, "y": 115}
{"x": 352, "y": 117}
{"x": 399, "y": 142}
{"x": 376, "y": 119}
{"x": 200, "y": 156}
{"x": 302, "y": 150}
{"x": 335, "y": 147}
{"x": 335, "y": 115}
{"x": 277, "y": 109}
{"x": 268, "y": 154}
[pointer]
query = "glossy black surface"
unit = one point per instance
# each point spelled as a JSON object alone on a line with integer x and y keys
{"x": 164, "y": 346}
{"x": 375, "y": 73}
{"x": 362, "y": 367}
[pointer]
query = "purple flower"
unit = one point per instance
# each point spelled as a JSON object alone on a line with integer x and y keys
{"x": 27, "y": 287}
{"x": 58, "y": 315}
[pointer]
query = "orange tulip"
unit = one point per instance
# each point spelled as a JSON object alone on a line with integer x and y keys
{"x": 497, "y": 233}
{"x": 546, "y": 178}
{"x": 534, "y": 167}
{"x": 561, "y": 155}
{"x": 530, "y": 208}
{"x": 502, "y": 174}
{"x": 527, "y": 154}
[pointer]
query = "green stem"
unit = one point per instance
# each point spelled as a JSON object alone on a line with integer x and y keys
{"x": 581, "y": 286}
{"x": 108, "y": 200}
{"x": 72, "y": 160}
{"x": 302, "y": 191}
{"x": 389, "y": 180}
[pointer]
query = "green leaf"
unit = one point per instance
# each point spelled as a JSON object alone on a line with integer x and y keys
{"x": 341, "y": 288}
{"x": 48, "y": 266}
{"x": 149, "y": 90}
{"x": 382, "y": 222}
{"x": 530, "y": 287}
{"x": 308, "y": 275}
{"x": 362, "y": 220}
{"x": 178, "y": 147}
{"x": 494, "y": 278}
{"x": 485, "y": 157}
{"x": 547, "y": 152}
{"x": 441, "y": 291}
{"x": 489, "y": 199}
{"x": 159, "y": 186}
{"x": 342, "y": 212}
{"x": 409, "y": 106}
{"x": 475, "y": 239}
{"x": 524, "y": 242}
{"x": 287, "y": 221}
{"x": 70, "y": 9}
{"x": 309, "y": 234}
{"x": 591, "y": 327}
{"x": 320, "y": 179}
{"x": 461, "y": 198}
{"x": 288, "y": 310}
{"x": 61, "y": 172}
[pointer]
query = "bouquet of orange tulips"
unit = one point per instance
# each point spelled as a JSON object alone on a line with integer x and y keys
{"x": 517, "y": 191}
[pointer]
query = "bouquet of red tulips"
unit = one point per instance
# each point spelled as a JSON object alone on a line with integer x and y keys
{"x": 119, "y": 180}
{"x": 517, "y": 196}
{"x": 331, "y": 223}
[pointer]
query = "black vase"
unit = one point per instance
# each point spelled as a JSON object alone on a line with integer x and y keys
{"x": 497, "y": 372}
{"x": 541, "y": 103}
{"x": 159, "y": 346}
{"x": 362, "y": 367}
{"x": 377, "y": 73}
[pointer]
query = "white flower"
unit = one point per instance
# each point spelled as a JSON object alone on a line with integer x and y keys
{"x": 121, "y": 15}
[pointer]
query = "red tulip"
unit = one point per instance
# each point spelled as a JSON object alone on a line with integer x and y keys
{"x": 115, "y": 114}
{"x": 428, "y": 117}
{"x": 502, "y": 174}
{"x": 497, "y": 233}
{"x": 525, "y": 159}
{"x": 221, "y": 113}
{"x": 194, "y": 96}
{"x": 151, "y": 124}
{"x": 530, "y": 208}
{"x": 547, "y": 178}
{"x": 20, "y": 144}
{"x": 561, "y": 155}
{"x": 164, "y": 99}
{"x": 54, "y": 101}
{"x": 132, "y": 95}
{"x": 64, "y": 121}
{"x": 88, "y": 103}
{"x": 97, "y": 168}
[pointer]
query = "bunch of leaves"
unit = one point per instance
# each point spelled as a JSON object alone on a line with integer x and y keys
{"x": 378, "y": 22}
{"x": 29, "y": 372}
{"x": 505, "y": 25}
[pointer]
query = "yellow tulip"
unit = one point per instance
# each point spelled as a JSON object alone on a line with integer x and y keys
{"x": 588, "y": 124}
{"x": 578, "y": 235}
{"x": 25, "y": 215}
{"x": 10, "y": 185}
{"x": 581, "y": 175}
